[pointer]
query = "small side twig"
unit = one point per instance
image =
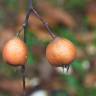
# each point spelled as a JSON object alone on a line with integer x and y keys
{"x": 20, "y": 30}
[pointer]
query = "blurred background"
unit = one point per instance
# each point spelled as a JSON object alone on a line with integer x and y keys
{"x": 72, "y": 19}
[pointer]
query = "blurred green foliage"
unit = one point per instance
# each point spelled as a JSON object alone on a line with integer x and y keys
{"x": 31, "y": 40}
{"x": 75, "y": 5}
{"x": 12, "y": 4}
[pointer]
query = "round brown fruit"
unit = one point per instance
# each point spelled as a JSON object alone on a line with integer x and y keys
{"x": 15, "y": 52}
{"x": 60, "y": 52}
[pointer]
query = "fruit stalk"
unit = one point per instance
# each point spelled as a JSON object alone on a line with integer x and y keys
{"x": 41, "y": 19}
{"x": 44, "y": 23}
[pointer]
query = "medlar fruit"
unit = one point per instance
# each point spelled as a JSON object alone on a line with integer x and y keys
{"x": 60, "y": 52}
{"x": 15, "y": 52}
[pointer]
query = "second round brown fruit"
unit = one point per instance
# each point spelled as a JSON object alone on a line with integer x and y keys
{"x": 15, "y": 52}
{"x": 60, "y": 52}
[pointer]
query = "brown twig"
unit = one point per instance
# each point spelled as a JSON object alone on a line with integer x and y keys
{"x": 25, "y": 25}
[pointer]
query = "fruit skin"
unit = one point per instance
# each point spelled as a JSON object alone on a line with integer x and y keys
{"x": 60, "y": 52}
{"x": 15, "y": 52}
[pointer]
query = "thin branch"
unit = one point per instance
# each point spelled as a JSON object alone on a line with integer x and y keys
{"x": 32, "y": 10}
{"x": 44, "y": 22}
{"x": 24, "y": 26}
{"x": 41, "y": 19}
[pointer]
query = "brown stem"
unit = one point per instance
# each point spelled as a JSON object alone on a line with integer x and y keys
{"x": 44, "y": 23}
{"x": 31, "y": 9}
{"x": 23, "y": 79}
{"x": 25, "y": 25}
{"x": 41, "y": 19}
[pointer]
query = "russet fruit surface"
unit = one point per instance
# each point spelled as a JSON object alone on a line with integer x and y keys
{"x": 15, "y": 52}
{"x": 60, "y": 52}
